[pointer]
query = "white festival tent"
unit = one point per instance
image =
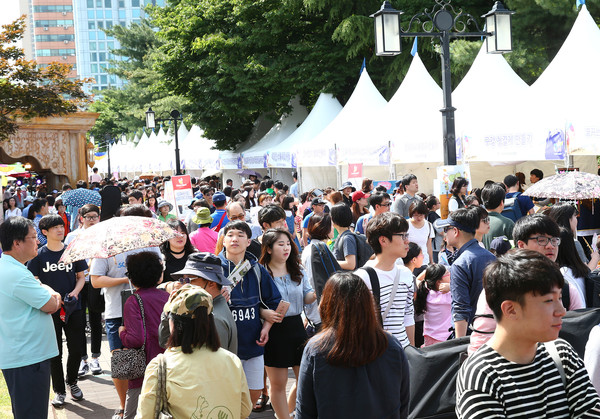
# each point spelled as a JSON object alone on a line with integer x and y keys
{"x": 283, "y": 155}
{"x": 569, "y": 88}
{"x": 350, "y": 131}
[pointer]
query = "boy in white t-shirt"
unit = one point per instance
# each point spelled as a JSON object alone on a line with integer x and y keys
{"x": 387, "y": 235}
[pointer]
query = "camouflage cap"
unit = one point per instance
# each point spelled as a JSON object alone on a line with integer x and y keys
{"x": 185, "y": 300}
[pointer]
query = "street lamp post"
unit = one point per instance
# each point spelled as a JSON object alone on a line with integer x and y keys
{"x": 443, "y": 22}
{"x": 175, "y": 116}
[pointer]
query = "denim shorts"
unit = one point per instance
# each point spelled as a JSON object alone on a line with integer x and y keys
{"x": 112, "y": 333}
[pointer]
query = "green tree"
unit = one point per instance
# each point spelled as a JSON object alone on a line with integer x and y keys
{"x": 123, "y": 110}
{"x": 27, "y": 91}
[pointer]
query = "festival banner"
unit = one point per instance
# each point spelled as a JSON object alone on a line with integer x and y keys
{"x": 355, "y": 170}
{"x": 182, "y": 193}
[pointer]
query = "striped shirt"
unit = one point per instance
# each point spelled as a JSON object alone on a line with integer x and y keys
{"x": 490, "y": 386}
{"x": 401, "y": 313}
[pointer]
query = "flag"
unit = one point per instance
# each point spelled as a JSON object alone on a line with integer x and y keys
{"x": 363, "y": 66}
{"x": 414, "y": 49}
{"x": 579, "y": 3}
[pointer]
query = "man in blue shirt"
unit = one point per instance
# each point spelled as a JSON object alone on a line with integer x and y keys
{"x": 380, "y": 202}
{"x": 220, "y": 219}
{"x": 467, "y": 270}
{"x": 294, "y": 187}
{"x": 27, "y": 340}
{"x": 512, "y": 191}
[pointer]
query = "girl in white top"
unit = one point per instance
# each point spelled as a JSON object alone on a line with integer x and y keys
{"x": 458, "y": 191}
{"x": 12, "y": 210}
{"x": 420, "y": 230}
{"x": 571, "y": 265}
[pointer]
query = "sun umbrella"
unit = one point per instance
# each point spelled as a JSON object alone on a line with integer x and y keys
{"x": 248, "y": 172}
{"x": 569, "y": 185}
{"x": 117, "y": 235}
{"x": 79, "y": 197}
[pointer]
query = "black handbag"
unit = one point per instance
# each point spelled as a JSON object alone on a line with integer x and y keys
{"x": 576, "y": 327}
{"x": 129, "y": 363}
{"x": 433, "y": 371}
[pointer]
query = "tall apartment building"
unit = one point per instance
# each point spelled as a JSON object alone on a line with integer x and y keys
{"x": 93, "y": 45}
{"x": 72, "y": 31}
{"x": 50, "y": 34}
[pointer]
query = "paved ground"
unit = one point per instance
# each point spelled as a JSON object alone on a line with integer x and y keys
{"x": 100, "y": 397}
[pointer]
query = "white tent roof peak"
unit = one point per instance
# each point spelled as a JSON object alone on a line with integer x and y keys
{"x": 489, "y": 71}
{"x": 417, "y": 84}
{"x": 365, "y": 94}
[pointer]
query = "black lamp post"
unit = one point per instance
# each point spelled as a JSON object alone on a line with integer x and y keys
{"x": 175, "y": 116}
{"x": 443, "y": 22}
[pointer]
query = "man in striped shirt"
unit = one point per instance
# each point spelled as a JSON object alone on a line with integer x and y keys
{"x": 514, "y": 375}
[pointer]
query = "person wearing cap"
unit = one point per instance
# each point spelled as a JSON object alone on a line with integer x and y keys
{"x": 67, "y": 280}
{"x": 380, "y": 202}
{"x": 27, "y": 201}
{"x": 317, "y": 206}
{"x": 467, "y": 270}
{"x": 346, "y": 189}
{"x": 203, "y": 269}
{"x": 145, "y": 271}
{"x": 204, "y": 380}
{"x": 21, "y": 195}
{"x": 194, "y": 206}
{"x": 204, "y": 238}
{"x": 164, "y": 209}
{"x": 220, "y": 219}
{"x": 493, "y": 196}
{"x": 403, "y": 202}
{"x": 359, "y": 205}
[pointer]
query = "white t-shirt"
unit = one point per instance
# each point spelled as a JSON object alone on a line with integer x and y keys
{"x": 578, "y": 283}
{"x": 420, "y": 237}
{"x": 311, "y": 310}
{"x": 401, "y": 313}
{"x": 115, "y": 267}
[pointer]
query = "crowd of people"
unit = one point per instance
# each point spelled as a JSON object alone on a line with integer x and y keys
{"x": 333, "y": 283}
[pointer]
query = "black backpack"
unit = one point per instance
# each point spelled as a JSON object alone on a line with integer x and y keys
{"x": 323, "y": 265}
{"x": 512, "y": 209}
{"x": 364, "y": 251}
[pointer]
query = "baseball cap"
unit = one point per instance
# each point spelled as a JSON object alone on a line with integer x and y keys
{"x": 317, "y": 201}
{"x": 205, "y": 265}
{"x": 219, "y": 197}
{"x": 441, "y": 223}
{"x": 359, "y": 195}
{"x": 185, "y": 301}
{"x": 501, "y": 245}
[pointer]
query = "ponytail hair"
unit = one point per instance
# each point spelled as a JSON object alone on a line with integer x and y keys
{"x": 433, "y": 274}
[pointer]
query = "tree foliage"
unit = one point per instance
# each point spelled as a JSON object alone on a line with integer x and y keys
{"x": 27, "y": 91}
{"x": 122, "y": 111}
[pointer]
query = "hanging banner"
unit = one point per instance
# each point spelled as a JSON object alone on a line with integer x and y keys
{"x": 284, "y": 159}
{"x": 230, "y": 160}
{"x": 369, "y": 154}
{"x": 355, "y": 170}
{"x": 583, "y": 139}
{"x": 182, "y": 193}
{"x": 254, "y": 160}
{"x": 317, "y": 157}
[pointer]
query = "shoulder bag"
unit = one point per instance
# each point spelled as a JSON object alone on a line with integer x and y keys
{"x": 129, "y": 363}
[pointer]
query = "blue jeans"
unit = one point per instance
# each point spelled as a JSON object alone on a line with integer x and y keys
{"x": 112, "y": 333}
{"x": 29, "y": 389}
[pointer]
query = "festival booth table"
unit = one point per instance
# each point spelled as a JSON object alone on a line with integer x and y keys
{"x": 350, "y": 132}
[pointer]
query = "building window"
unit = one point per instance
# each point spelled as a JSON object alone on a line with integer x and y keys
{"x": 135, "y": 3}
{"x": 101, "y": 46}
{"x": 109, "y": 24}
{"x": 92, "y": 46}
{"x": 54, "y": 52}
{"x": 121, "y": 4}
{"x": 53, "y": 23}
{"x": 108, "y": 14}
{"x": 101, "y": 35}
{"x": 54, "y": 38}
{"x": 94, "y": 68}
{"x": 100, "y": 25}
{"x": 135, "y": 13}
{"x": 90, "y": 14}
{"x": 98, "y": 3}
{"x": 90, "y": 4}
{"x": 108, "y": 4}
{"x": 92, "y": 35}
{"x": 99, "y": 14}
{"x": 93, "y": 56}
{"x": 102, "y": 56}
{"x": 92, "y": 25}
{"x": 52, "y": 8}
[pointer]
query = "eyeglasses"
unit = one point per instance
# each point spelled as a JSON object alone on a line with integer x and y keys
{"x": 543, "y": 240}
{"x": 385, "y": 205}
{"x": 91, "y": 217}
{"x": 404, "y": 236}
{"x": 237, "y": 217}
{"x": 486, "y": 220}
{"x": 448, "y": 228}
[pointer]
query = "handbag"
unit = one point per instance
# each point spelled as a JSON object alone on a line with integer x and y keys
{"x": 161, "y": 410}
{"x": 130, "y": 363}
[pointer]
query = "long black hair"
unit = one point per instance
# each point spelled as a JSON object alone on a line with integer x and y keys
{"x": 178, "y": 225}
{"x": 433, "y": 274}
{"x": 562, "y": 214}
{"x": 568, "y": 256}
{"x": 292, "y": 263}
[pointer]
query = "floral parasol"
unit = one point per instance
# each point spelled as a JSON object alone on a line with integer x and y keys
{"x": 117, "y": 235}
{"x": 569, "y": 185}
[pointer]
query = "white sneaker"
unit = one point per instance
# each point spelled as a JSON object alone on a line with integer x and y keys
{"x": 59, "y": 400}
{"x": 95, "y": 366}
{"x": 83, "y": 368}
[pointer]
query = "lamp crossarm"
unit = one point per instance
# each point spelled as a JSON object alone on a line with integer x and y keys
{"x": 439, "y": 34}
{"x": 425, "y": 21}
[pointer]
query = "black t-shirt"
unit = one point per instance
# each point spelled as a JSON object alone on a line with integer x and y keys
{"x": 58, "y": 276}
{"x": 172, "y": 264}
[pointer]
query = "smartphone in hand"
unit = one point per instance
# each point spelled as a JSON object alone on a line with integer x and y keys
{"x": 282, "y": 308}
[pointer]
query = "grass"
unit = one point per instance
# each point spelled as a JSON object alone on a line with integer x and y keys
{"x": 5, "y": 408}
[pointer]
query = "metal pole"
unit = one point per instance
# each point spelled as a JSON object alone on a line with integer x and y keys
{"x": 177, "y": 161}
{"x": 108, "y": 152}
{"x": 449, "y": 130}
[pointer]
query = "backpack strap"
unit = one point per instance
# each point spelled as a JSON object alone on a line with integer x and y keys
{"x": 375, "y": 289}
{"x": 218, "y": 227}
{"x": 258, "y": 273}
{"x": 553, "y": 352}
{"x": 566, "y": 296}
